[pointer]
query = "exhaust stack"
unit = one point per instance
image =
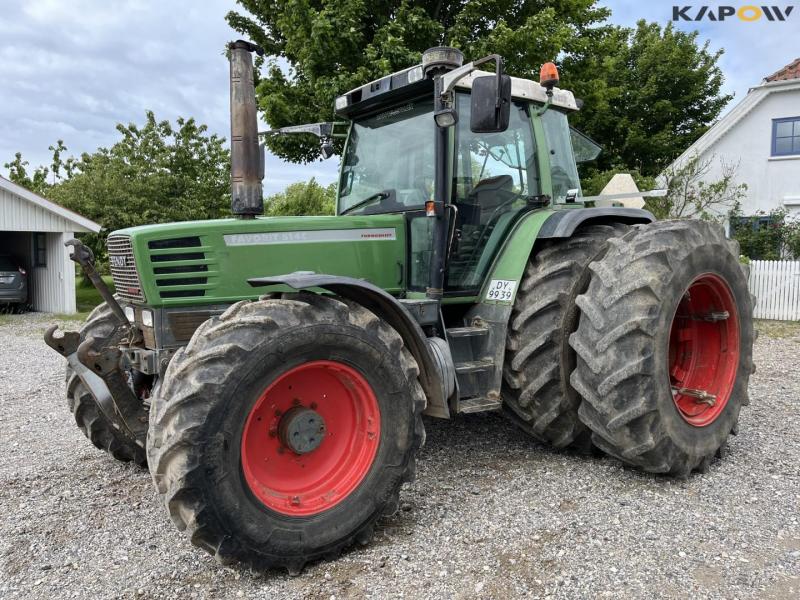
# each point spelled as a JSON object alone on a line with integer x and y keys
{"x": 246, "y": 156}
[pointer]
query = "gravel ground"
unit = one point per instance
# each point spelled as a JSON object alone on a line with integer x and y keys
{"x": 492, "y": 514}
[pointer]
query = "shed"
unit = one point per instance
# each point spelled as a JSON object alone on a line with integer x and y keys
{"x": 33, "y": 230}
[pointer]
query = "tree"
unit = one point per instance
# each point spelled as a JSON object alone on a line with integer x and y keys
{"x": 156, "y": 173}
{"x": 332, "y": 47}
{"x": 302, "y": 199}
{"x": 690, "y": 195}
{"x": 649, "y": 92}
{"x": 18, "y": 173}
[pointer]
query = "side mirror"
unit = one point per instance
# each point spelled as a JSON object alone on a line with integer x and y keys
{"x": 326, "y": 150}
{"x": 490, "y": 108}
{"x": 572, "y": 196}
{"x": 262, "y": 162}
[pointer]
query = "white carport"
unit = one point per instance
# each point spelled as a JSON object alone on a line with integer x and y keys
{"x": 34, "y": 230}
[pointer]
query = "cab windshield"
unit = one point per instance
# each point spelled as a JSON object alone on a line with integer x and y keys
{"x": 389, "y": 161}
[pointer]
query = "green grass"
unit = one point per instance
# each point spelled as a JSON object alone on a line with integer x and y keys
{"x": 87, "y": 297}
{"x": 778, "y": 329}
{"x": 78, "y": 316}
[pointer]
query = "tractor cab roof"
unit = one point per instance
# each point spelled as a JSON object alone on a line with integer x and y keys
{"x": 411, "y": 83}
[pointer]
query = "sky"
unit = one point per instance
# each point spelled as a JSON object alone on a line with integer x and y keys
{"x": 73, "y": 70}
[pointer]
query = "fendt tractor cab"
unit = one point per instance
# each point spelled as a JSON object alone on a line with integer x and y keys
{"x": 272, "y": 373}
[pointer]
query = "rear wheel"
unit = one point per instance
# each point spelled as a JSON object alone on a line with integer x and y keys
{"x": 538, "y": 396}
{"x": 84, "y": 409}
{"x": 285, "y": 429}
{"x": 664, "y": 346}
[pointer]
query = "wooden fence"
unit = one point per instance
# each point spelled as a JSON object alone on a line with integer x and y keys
{"x": 776, "y": 285}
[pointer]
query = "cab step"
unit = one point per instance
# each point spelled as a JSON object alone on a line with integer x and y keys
{"x": 462, "y": 332}
{"x": 474, "y": 405}
{"x": 475, "y": 366}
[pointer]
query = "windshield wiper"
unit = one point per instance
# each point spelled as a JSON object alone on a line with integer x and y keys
{"x": 368, "y": 200}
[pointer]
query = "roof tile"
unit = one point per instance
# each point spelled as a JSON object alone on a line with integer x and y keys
{"x": 790, "y": 71}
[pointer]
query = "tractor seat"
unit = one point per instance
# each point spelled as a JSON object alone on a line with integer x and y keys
{"x": 490, "y": 193}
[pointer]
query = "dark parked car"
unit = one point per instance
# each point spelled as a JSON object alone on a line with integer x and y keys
{"x": 13, "y": 282}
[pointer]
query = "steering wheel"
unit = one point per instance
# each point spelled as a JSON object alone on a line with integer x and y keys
{"x": 421, "y": 182}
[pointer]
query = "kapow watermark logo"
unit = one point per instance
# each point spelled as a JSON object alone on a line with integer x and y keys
{"x": 749, "y": 12}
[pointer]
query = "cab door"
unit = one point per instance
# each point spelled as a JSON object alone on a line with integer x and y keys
{"x": 496, "y": 179}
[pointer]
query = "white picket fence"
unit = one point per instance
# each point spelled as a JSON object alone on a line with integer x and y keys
{"x": 776, "y": 285}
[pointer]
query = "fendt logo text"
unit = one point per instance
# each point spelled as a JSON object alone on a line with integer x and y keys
{"x": 749, "y": 12}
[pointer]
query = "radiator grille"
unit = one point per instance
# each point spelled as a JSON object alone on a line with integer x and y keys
{"x": 190, "y": 280}
{"x": 123, "y": 268}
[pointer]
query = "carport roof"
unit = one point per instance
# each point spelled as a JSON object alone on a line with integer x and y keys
{"x": 37, "y": 200}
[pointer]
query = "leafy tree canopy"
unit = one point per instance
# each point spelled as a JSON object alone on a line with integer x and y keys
{"x": 156, "y": 173}
{"x": 649, "y": 91}
{"x": 302, "y": 199}
{"x": 332, "y": 46}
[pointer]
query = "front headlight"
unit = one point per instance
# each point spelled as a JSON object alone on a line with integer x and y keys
{"x": 130, "y": 314}
{"x": 147, "y": 318}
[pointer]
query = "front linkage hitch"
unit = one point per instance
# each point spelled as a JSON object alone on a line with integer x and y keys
{"x": 98, "y": 361}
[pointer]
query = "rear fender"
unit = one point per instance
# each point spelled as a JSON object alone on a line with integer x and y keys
{"x": 382, "y": 304}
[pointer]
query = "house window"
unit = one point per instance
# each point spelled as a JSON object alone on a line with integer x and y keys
{"x": 39, "y": 249}
{"x": 786, "y": 136}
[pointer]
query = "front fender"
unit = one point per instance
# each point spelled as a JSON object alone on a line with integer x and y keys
{"x": 382, "y": 304}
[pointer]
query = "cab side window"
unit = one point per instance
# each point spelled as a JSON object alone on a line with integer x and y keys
{"x": 563, "y": 171}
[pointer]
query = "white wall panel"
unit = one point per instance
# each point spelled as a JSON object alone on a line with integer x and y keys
{"x": 17, "y": 214}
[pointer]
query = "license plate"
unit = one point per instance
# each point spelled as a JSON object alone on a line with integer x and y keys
{"x": 7, "y": 279}
{"x": 501, "y": 290}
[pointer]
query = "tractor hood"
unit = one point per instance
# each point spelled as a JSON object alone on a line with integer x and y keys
{"x": 209, "y": 262}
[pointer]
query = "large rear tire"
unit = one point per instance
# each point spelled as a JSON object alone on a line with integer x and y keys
{"x": 222, "y": 440}
{"x": 83, "y": 407}
{"x": 664, "y": 346}
{"x": 538, "y": 396}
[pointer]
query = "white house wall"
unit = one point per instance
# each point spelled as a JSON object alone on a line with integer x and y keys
{"x": 17, "y": 214}
{"x": 53, "y": 286}
{"x": 771, "y": 182}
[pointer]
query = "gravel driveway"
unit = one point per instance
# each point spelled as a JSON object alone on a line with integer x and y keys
{"x": 491, "y": 514}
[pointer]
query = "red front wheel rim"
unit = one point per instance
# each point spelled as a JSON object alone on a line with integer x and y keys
{"x": 704, "y": 350}
{"x": 331, "y": 408}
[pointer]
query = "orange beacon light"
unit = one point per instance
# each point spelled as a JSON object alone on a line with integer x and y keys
{"x": 548, "y": 75}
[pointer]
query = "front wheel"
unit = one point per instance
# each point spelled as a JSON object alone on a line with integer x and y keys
{"x": 285, "y": 429}
{"x": 81, "y": 403}
{"x": 664, "y": 346}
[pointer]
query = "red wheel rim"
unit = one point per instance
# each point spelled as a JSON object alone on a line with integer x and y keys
{"x": 307, "y": 483}
{"x": 704, "y": 350}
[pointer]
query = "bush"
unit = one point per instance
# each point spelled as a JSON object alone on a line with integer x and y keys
{"x": 766, "y": 236}
{"x": 594, "y": 181}
{"x": 690, "y": 194}
{"x": 302, "y": 199}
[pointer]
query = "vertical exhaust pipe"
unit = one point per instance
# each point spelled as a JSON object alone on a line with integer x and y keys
{"x": 246, "y": 156}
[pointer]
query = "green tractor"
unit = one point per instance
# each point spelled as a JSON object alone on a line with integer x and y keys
{"x": 273, "y": 373}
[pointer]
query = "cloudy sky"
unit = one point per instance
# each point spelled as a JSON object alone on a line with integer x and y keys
{"x": 72, "y": 70}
